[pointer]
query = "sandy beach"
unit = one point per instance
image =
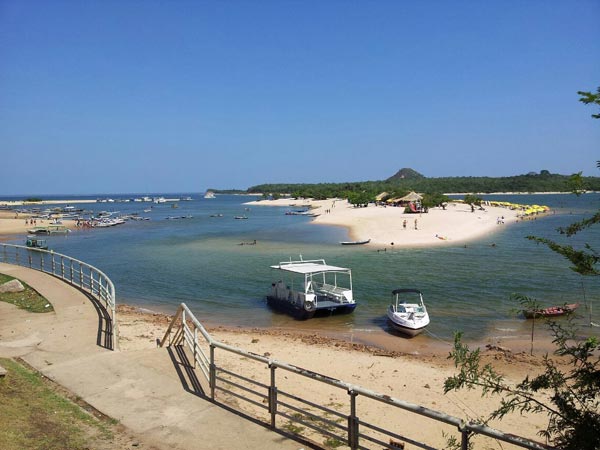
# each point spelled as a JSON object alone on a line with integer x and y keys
{"x": 416, "y": 379}
{"x": 12, "y": 223}
{"x": 385, "y": 225}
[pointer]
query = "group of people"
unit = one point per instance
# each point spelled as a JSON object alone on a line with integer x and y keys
{"x": 31, "y": 222}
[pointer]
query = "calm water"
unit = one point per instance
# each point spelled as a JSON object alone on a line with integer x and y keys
{"x": 159, "y": 263}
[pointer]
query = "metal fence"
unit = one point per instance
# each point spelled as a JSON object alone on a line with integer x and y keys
{"x": 77, "y": 273}
{"x": 342, "y": 428}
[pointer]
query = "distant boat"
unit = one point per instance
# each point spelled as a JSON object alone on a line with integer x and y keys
{"x": 240, "y": 217}
{"x": 36, "y": 242}
{"x": 552, "y": 311}
{"x": 209, "y": 194}
{"x": 355, "y": 242}
{"x": 50, "y": 229}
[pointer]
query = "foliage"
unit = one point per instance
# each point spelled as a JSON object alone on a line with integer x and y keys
{"x": 471, "y": 199}
{"x": 32, "y": 200}
{"x": 532, "y": 182}
{"x": 590, "y": 97}
{"x": 431, "y": 200}
{"x": 574, "y": 403}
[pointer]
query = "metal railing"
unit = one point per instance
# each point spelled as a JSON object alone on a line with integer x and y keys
{"x": 185, "y": 330}
{"x": 79, "y": 274}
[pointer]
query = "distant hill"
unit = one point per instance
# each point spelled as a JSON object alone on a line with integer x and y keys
{"x": 406, "y": 174}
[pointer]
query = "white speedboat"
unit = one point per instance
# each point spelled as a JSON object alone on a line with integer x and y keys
{"x": 407, "y": 312}
{"x": 209, "y": 195}
{"x": 311, "y": 286}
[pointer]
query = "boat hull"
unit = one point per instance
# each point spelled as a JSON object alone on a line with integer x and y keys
{"x": 406, "y": 330}
{"x": 553, "y": 311}
{"x": 300, "y": 313}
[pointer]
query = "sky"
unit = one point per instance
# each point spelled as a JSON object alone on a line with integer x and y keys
{"x": 123, "y": 96}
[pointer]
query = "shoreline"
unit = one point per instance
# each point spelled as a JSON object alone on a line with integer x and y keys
{"x": 390, "y": 227}
{"x": 415, "y": 378}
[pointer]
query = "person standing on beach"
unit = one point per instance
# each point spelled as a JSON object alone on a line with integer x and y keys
{"x": 416, "y": 224}
{"x": 404, "y": 224}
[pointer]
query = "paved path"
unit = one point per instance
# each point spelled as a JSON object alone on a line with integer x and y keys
{"x": 147, "y": 391}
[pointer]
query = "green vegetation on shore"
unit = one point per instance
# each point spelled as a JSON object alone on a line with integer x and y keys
{"x": 33, "y": 415}
{"x": 29, "y": 299}
{"x": 409, "y": 180}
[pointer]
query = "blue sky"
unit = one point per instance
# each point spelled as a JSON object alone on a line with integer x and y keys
{"x": 177, "y": 96}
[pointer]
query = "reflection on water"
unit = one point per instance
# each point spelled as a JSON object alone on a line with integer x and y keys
{"x": 160, "y": 263}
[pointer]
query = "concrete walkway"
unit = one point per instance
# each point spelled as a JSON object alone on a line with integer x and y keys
{"x": 148, "y": 391}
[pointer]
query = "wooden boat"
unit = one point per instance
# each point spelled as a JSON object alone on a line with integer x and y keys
{"x": 551, "y": 311}
{"x": 309, "y": 287}
{"x": 407, "y": 312}
{"x": 355, "y": 242}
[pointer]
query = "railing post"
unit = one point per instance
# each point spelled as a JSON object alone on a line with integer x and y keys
{"x": 62, "y": 267}
{"x": 273, "y": 397}
{"x": 464, "y": 438}
{"x": 195, "y": 344}
{"x": 53, "y": 264}
{"x": 71, "y": 271}
{"x": 91, "y": 281}
{"x": 30, "y": 261}
{"x": 41, "y": 261}
{"x": 80, "y": 276}
{"x": 352, "y": 422}
{"x": 213, "y": 372}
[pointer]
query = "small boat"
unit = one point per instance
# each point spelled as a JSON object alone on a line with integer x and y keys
{"x": 36, "y": 242}
{"x": 216, "y": 215}
{"x": 356, "y": 242}
{"x": 551, "y": 311}
{"x": 311, "y": 287}
{"x": 240, "y": 217}
{"x": 407, "y": 312}
{"x": 49, "y": 229}
{"x": 209, "y": 195}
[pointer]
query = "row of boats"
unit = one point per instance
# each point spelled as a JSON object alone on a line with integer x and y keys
{"x": 310, "y": 287}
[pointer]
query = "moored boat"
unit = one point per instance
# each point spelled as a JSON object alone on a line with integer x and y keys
{"x": 36, "y": 242}
{"x": 310, "y": 287}
{"x": 407, "y": 312}
{"x": 551, "y": 311}
{"x": 366, "y": 241}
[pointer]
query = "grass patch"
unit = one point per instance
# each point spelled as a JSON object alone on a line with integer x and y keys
{"x": 33, "y": 415}
{"x": 29, "y": 299}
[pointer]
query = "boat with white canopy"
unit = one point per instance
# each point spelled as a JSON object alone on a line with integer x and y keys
{"x": 308, "y": 287}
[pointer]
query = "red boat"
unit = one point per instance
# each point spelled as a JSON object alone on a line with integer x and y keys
{"x": 551, "y": 311}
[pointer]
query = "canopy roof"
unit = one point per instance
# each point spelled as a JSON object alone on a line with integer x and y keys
{"x": 305, "y": 267}
{"x": 380, "y": 196}
{"x": 411, "y": 197}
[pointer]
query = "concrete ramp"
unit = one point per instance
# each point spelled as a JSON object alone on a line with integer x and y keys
{"x": 153, "y": 392}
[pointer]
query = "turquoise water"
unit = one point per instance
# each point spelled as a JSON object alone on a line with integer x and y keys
{"x": 160, "y": 263}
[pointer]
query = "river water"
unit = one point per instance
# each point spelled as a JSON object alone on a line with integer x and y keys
{"x": 160, "y": 263}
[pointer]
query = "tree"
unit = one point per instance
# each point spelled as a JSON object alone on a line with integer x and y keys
{"x": 573, "y": 401}
{"x": 589, "y": 97}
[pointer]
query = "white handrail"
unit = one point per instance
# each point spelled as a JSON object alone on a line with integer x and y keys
{"x": 77, "y": 273}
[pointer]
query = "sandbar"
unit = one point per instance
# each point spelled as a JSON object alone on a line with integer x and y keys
{"x": 391, "y": 227}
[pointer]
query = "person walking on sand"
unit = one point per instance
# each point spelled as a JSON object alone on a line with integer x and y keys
{"x": 416, "y": 224}
{"x": 404, "y": 224}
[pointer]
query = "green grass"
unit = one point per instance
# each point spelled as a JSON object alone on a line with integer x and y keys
{"x": 29, "y": 299}
{"x": 34, "y": 416}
